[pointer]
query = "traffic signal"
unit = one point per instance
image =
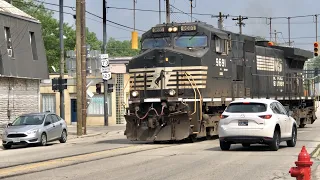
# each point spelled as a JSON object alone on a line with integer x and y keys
{"x": 110, "y": 88}
{"x": 98, "y": 88}
{"x": 134, "y": 40}
{"x": 316, "y": 48}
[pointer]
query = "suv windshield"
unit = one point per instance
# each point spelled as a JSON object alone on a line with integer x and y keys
{"x": 155, "y": 43}
{"x": 246, "y": 108}
{"x": 191, "y": 41}
{"x": 28, "y": 120}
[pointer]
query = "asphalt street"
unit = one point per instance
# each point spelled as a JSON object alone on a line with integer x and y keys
{"x": 112, "y": 157}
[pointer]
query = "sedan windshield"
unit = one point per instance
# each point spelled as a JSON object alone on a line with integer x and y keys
{"x": 246, "y": 108}
{"x": 191, "y": 41}
{"x": 28, "y": 120}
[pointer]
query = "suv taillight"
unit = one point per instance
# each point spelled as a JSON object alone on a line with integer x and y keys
{"x": 266, "y": 116}
{"x": 223, "y": 116}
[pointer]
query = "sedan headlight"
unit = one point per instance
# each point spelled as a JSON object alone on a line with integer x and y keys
{"x": 32, "y": 131}
{"x": 134, "y": 93}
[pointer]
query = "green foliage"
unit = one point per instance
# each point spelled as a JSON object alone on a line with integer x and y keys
{"x": 121, "y": 48}
{"x": 50, "y": 33}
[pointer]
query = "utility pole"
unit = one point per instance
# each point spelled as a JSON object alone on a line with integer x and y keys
{"x": 78, "y": 66}
{"x": 159, "y": 11}
{"x": 270, "y": 27}
{"x": 134, "y": 14}
{"x": 316, "y": 28}
{"x": 61, "y": 90}
{"x": 275, "y": 36}
{"x": 240, "y": 23}
{"x": 105, "y": 82}
{"x": 84, "y": 66}
{"x": 191, "y": 9}
{"x": 168, "y": 11}
{"x": 289, "y": 31}
{"x": 220, "y": 20}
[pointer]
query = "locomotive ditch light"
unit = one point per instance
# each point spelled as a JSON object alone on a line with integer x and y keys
{"x": 270, "y": 43}
{"x": 172, "y": 92}
{"x": 134, "y": 93}
{"x": 316, "y": 48}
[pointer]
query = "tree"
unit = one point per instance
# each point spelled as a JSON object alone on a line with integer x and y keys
{"x": 121, "y": 48}
{"x": 50, "y": 31}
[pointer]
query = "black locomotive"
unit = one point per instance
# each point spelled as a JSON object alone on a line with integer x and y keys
{"x": 187, "y": 73}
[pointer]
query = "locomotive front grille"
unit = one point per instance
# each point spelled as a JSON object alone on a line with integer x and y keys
{"x": 172, "y": 77}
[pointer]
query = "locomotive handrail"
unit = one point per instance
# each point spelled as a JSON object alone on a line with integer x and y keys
{"x": 195, "y": 95}
{"x": 200, "y": 96}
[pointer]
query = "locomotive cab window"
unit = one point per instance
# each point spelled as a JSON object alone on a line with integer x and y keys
{"x": 191, "y": 41}
{"x": 220, "y": 44}
{"x": 155, "y": 43}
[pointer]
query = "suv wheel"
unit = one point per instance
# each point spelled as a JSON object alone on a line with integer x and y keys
{"x": 224, "y": 145}
{"x": 293, "y": 141}
{"x": 275, "y": 144}
{"x": 6, "y": 146}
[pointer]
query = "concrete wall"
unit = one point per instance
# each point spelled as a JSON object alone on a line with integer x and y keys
{"x": 19, "y": 96}
{"x": 70, "y": 93}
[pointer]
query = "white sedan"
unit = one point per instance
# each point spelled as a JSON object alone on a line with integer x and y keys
{"x": 256, "y": 121}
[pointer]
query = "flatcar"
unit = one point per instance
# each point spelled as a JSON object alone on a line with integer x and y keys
{"x": 187, "y": 73}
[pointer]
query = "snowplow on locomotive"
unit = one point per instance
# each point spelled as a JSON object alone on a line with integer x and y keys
{"x": 187, "y": 73}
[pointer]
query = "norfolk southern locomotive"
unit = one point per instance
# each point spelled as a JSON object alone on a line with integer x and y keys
{"x": 187, "y": 73}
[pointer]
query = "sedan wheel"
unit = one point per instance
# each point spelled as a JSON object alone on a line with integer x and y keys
{"x": 43, "y": 140}
{"x": 63, "y": 138}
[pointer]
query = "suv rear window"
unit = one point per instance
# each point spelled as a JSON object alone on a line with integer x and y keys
{"x": 246, "y": 108}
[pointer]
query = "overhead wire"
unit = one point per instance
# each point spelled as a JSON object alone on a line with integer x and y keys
{"x": 73, "y": 8}
{"x": 210, "y": 14}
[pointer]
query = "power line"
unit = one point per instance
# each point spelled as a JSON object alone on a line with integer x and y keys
{"x": 183, "y": 12}
{"x": 209, "y": 14}
{"x": 73, "y": 8}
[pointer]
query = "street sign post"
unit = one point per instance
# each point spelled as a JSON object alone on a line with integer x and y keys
{"x": 106, "y": 75}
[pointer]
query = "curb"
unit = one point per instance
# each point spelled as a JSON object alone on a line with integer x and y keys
{"x": 84, "y": 136}
{"x": 97, "y": 134}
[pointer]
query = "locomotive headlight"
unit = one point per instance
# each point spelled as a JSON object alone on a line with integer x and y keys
{"x": 175, "y": 29}
{"x": 134, "y": 93}
{"x": 172, "y": 92}
{"x": 170, "y": 29}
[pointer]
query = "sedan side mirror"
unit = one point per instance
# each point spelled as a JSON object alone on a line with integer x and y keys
{"x": 9, "y": 124}
{"x": 47, "y": 123}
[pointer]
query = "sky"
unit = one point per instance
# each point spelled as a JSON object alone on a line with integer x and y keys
{"x": 302, "y": 29}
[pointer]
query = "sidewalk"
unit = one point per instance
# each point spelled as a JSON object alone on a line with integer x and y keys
{"x": 96, "y": 131}
{"x": 316, "y": 162}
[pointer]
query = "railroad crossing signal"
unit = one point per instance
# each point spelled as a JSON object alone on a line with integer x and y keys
{"x": 316, "y": 49}
{"x": 59, "y": 84}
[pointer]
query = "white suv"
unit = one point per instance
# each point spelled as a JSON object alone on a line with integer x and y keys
{"x": 256, "y": 121}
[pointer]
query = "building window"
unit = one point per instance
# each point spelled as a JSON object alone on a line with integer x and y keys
{"x": 120, "y": 99}
{"x": 49, "y": 103}
{"x": 96, "y": 106}
{"x": 7, "y": 36}
{"x": 33, "y": 46}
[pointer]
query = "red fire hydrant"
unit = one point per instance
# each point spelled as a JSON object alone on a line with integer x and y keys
{"x": 303, "y": 169}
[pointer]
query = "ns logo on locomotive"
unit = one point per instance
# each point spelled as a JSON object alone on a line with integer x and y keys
{"x": 187, "y": 73}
